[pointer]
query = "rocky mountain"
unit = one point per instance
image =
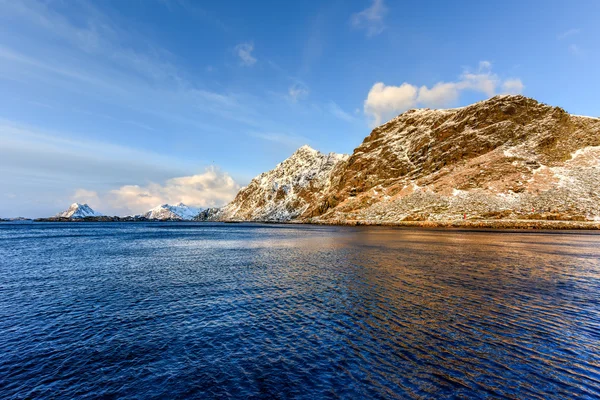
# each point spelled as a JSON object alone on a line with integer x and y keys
{"x": 285, "y": 192}
{"x": 179, "y": 212}
{"x": 509, "y": 157}
{"x": 77, "y": 210}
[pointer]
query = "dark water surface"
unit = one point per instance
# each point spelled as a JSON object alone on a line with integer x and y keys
{"x": 207, "y": 310}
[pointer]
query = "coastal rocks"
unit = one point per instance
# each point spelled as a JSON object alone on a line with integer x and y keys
{"x": 102, "y": 218}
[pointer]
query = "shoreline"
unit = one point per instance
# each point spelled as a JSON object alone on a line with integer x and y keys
{"x": 449, "y": 224}
{"x": 479, "y": 224}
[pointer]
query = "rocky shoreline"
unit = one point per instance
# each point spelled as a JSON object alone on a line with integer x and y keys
{"x": 95, "y": 219}
{"x": 479, "y": 224}
{"x": 528, "y": 224}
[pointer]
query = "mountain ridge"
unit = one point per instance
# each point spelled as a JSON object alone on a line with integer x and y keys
{"x": 283, "y": 193}
{"x": 508, "y": 157}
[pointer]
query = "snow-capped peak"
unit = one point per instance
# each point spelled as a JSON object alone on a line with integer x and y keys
{"x": 287, "y": 190}
{"x": 174, "y": 212}
{"x": 306, "y": 148}
{"x": 78, "y": 210}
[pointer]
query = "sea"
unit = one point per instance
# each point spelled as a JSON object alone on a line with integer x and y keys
{"x": 210, "y": 310}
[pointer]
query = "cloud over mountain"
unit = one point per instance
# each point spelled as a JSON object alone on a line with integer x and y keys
{"x": 210, "y": 188}
{"x": 385, "y": 101}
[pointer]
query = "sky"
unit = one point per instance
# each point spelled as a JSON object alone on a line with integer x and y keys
{"x": 126, "y": 105}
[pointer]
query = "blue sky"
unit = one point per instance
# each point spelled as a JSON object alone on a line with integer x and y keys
{"x": 128, "y": 104}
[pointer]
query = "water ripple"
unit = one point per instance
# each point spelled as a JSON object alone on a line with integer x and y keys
{"x": 255, "y": 311}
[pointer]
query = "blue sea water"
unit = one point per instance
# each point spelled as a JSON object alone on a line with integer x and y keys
{"x": 200, "y": 310}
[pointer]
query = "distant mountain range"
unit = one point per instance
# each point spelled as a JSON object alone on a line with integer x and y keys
{"x": 164, "y": 212}
{"x": 509, "y": 158}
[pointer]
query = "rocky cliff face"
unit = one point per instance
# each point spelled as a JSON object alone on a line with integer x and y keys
{"x": 285, "y": 192}
{"x": 509, "y": 157}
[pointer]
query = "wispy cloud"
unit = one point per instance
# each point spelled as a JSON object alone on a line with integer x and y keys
{"x": 570, "y": 36}
{"x": 315, "y": 43}
{"x": 192, "y": 8}
{"x": 568, "y": 33}
{"x": 28, "y": 150}
{"x": 370, "y": 19}
{"x": 298, "y": 91}
{"x": 92, "y": 62}
{"x": 244, "y": 52}
{"x": 337, "y": 112}
{"x": 575, "y": 50}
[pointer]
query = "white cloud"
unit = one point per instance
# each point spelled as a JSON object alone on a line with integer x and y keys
{"x": 512, "y": 86}
{"x": 211, "y": 188}
{"x": 481, "y": 82}
{"x": 298, "y": 91}
{"x": 244, "y": 52}
{"x": 370, "y": 19}
{"x": 385, "y": 101}
{"x": 568, "y": 33}
{"x": 439, "y": 95}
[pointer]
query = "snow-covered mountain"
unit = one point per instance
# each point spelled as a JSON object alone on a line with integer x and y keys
{"x": 505, "y": 158}
{"x": 78, "y": 210}
{"x": 285, "y": 192}
{"x": 173, "y": 212}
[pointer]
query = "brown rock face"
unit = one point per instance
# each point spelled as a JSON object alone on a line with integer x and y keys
{"x": 504, "y": 157}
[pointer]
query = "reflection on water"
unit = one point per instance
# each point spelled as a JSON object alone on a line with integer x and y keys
{"x": 210, "y": 310}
